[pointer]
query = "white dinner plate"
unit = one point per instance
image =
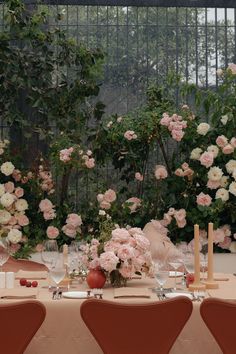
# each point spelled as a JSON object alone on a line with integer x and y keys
{"x": 75, "y": 294}
{"x": 171, "y": 295}
{"x": 178, "y": 274}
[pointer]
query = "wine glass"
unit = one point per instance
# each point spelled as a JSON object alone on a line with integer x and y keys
{"x": 50, "y": 255}
{"x": 189, "y": 262}
{"x": 4, "y": 251}
{"x": 58, "y": 271}
{"x": 161, "y": 273}
{"x": 203, "y": 262}
{"x": 176, "y": 262}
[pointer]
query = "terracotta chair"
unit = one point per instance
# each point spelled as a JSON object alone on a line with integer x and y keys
{"x": 19, "y": 323}
{"x": 219, "y": 316}
{"x": 13, "y": 265}
{"x": 147, "y": 328}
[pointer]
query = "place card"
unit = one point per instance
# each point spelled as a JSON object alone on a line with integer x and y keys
{"x": 127, "y": 292}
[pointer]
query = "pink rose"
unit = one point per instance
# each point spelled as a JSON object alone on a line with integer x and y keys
{"x": 90, "y": 163}
{"x": 9, "y": 187}
{"x": 213, "y": 184}
{"x": 100, "y": 197}
{"x": 110, "y": 196}
{"x": 16, "y": 174}
{"x": 127, "y": 270}
{"x": 52, "y": 232}
{"x": 19, "y": 192}
{"x": 160, "y": 172}
{"x": 22, "y": 220}
{"x": 204, "y": 199}
{"x": 69, "y": 230}
{"x": 74, "y": 219}
{"x": 12, "y": 221}
{"x": 133, "y": 203}
{"x": 65, "y": 155}
{"x": 228, "y": 149}
{"x": 226, "y": 243}
{"x": 108, "y": 261}
{"x": 165, "y": 120}
{"x": 120, "y": 235}
{"x": 45, "y": 205}
{"x": 142, "y": 241}
{"x": 166, "y": 220}
{"x": 232, "y": 68}
{"x": 207, "y": 159}
{"x": 221, "y": 141}
{"x": 105, "y": 205}
{"x": 130, "y": 135}
{"x": 218, "y": 235}
{"x": 233, "y": 142}
{"x": 125, "y": 252}
{"x": 49, "y": 214}
{"x": 177, "y": 134}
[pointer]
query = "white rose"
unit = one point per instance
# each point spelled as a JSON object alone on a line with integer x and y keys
{"x": 213, "y": 149}
{"x": 224, "y": 119}
{"x": 2, "y": 189}
{"x": 232, "y": 247}
{"x": 21, "y": 205}
{"x": 231, "y": 166}
{"x": 195, "y": 154}
{"x": 5, "y": 216}
{"x": 7, "y": 168}
{"x": 203, "y": 128}
{"x": 232, "y": 188}
{"x": 223, "y": 194}
{"x": 215, "y": 173}
{"x": 7, "y": 200}
{"x": 14, "y": 235}
{"x": 224, "y": 181}
{"x": 102, "y": 212}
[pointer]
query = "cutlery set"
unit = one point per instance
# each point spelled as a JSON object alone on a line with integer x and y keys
{"x": 56, "y": 295}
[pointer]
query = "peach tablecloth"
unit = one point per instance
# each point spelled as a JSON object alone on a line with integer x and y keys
{"x": 64, "y": 331}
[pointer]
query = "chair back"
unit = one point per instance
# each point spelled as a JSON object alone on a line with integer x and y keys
{"x": 13, "y": 265}
{"x": 219, "y": 316}
{"x": 145, "y": 328}
{"x": 19, "y": 323}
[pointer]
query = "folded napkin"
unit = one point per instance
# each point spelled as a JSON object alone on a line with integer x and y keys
{"x": 131, "y": 292}
{"x": 43, "y": 274}
{"x": 220, "y": 277}
{"x": 18, "y": 293}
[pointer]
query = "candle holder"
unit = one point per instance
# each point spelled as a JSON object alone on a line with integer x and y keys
{"x": 209, "y": 282}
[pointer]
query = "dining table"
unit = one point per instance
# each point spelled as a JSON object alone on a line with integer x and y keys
{"x": 64, "y": 331}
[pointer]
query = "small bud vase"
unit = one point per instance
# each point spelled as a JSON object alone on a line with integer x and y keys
{"x": 96, "y": 279}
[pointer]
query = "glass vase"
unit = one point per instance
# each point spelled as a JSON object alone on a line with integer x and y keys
{"x": 116, "y": 279}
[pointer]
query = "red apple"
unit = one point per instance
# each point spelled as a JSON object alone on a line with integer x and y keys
{"x": 34, "y": 284}
{"x": 189, "y": 279}
{"x": 28, "y": 284}
{"x": 23, "y": 281}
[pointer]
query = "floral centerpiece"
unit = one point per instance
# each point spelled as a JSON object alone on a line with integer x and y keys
{"x": 123, "y": 255}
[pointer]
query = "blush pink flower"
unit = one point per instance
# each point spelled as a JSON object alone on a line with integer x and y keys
{"x": 22, "y": 220}
{"x": 179, "y": 172}
{"x": 207, "y": 159}
{"x": 69, "y": 230}
{"x": 127, "y": 270}
{"x": 165, "y": 120}
{"x": 125, "y": 252}
{"x": 74, "y": 219}
{"x": 142, "y": 241}
{"x": 228, "y": 149}
{"x": 226, "y": 243}
{"x": 213, "y": 184}
{"x": 108, "y": 261}
{"x": 177, "y": 134}
{"x": 133, "y": 203}
{"x": 110, "y": 196}
{"x": 19, "y": 192}
{"x": 52, "y": 232}
{"x": 45, "y": 205}
{"x": 218, "y": 235}
{"x": 49, "y": 214}
{"x": 233, "y": 142}
{"x": 232, "y": 68}
{"x": 221, "y": 141}
{"x": 160, "y": 172}
{"x": 65, "y": 154}
{"x": 90, "y": 163}
{"x": 130, "y": 135}
{"x": 204, "y": 199}
{"x": 9, "y": 187}
{"x": 120, "y": 235}
{"x": 16, "y": 174}
{"x": 105, "y": 205}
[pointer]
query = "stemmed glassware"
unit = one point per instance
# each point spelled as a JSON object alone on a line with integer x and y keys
{"x": 189, "y": 262}
{"x": 58, "y": 271}
{"x": 50, "y": 254}
{"x": 176, "y": 262}
{"x": 161, "y": 273}
{"x": 4, "y": 251}
{"x": 203, "y": 262}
